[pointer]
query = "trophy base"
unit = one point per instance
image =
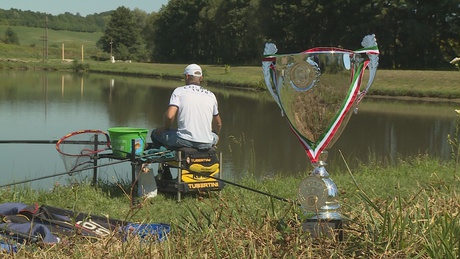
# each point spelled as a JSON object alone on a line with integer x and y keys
{"x": 330, "y": 228}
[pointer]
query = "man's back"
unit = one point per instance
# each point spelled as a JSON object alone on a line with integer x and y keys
{"x": 197, "y": 114}
{"x": 197, "y": 106}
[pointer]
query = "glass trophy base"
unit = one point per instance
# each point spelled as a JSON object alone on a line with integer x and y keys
{"x": 319, "y": 228}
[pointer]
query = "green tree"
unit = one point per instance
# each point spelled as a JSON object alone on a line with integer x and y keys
{"x": 418, "y": 34}
{"x": 211, "y": 31}
{"x": 298, "y": 25}
{"x": 11, "y": 37}
{"x": 122, "y": 36}
{"x": 148, "y": 32}
{"x": 176, "y": 34}
{"x": 238, "y": 32}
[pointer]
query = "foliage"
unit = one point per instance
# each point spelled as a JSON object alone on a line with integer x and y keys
{"x": 67, "y": 21}
{"x": 175, "y": 34}
{"x": 215, "y": 32}
{"x": 11, "y": 37}
{"x": 231, "y": 32}
{"x": 411, "y": 34}
{"x": 239, "y": 38}
{"x": 31, "y": 35}
{"x": 122, "y": 36}
{"x": 79, "y": 67}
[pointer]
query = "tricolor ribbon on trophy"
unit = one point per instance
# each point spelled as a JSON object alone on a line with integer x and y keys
{"x": 316, "y": 91}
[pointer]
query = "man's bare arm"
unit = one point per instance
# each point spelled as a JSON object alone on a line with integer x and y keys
{"x": 170, "y": 114}
{"x": 216, "y": 124}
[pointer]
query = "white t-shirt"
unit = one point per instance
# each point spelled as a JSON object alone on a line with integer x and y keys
{"x": 197, "y": 106}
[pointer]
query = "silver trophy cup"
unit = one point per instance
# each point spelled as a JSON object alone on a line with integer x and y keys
{"x": 316, "y": 91}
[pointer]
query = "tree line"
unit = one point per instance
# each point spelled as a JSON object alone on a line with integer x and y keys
{"x": 66, "y": 21}
{"x": 412, "y": 34}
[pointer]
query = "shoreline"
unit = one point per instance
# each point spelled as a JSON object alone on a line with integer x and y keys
{"x": 413, "y": 99}
{"x": 427, "y": 86}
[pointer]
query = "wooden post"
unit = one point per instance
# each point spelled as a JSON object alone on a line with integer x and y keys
{"x": 82, "y": 53}
{"x": 62, "y": 52}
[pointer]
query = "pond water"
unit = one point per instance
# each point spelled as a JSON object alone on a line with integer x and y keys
{"x": 255, "y": 139}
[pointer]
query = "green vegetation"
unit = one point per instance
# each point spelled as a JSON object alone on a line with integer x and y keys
{"x": 32, "y": 46}
{"x": 11, "y": 37}
{"x": 67, "y": 21}
{"x": 408, "y": 210}
{"x": 122, "y": 37}
{"x": 29, "y": 55}
{"x": 29, "y": 36}
{"x": 388, "y": 83}
{"x": 410, "y": 34}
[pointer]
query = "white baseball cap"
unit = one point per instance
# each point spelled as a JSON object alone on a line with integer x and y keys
{"x": 193, "y": 70}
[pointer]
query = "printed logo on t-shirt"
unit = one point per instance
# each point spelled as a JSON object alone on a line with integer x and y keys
{"x": 197, "y": 88}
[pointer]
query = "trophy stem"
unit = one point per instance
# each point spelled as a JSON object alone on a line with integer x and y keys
{"x": 327, "y": 220}
{"x": 330, "y": 211}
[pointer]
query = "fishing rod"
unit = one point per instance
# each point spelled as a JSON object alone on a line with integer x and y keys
{"x": 13, "y": 141}
{"x": 122, "y": 161}
{"x": 64, "y": 173}
{"x": 239, "y": 185}
{"x": 83, "y": 169}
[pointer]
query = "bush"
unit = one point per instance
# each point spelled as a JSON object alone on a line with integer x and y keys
{"x": 79, "y": 67}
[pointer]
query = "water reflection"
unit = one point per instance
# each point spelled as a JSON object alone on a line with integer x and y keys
{"x": 255, "y": 139}
{"x": 392, "y": 130}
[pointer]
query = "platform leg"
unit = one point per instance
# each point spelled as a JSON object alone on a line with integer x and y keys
{"x": 179, "y": 177}
{"x": 96, "y": 144}
{"x": 221, "y": 171}
{"x": 133, "y": 170}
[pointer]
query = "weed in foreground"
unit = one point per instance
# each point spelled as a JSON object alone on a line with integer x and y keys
{"x": 387, "y": 217}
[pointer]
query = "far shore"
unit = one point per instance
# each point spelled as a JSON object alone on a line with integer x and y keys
{"x": 429, "y": 85}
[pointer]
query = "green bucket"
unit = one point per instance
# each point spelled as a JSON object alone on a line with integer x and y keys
{"x": 121, "y": 137}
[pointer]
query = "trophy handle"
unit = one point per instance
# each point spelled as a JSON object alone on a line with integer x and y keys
{"x": 371, "y": 50}
{"x": 268, "y": 69}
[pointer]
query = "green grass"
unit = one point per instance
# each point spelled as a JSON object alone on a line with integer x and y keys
{"x": 441, "y": 84}
{"x": 402, "y": 211}
{"x": 388, "y": 83}
{"x": 32, "y": 45}
{"x": 34, "y": 36}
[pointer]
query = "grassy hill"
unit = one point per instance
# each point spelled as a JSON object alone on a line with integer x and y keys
{"x": 32, "y": 44}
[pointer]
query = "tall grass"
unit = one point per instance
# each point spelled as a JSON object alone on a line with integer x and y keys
{"x": 404, "y": 211}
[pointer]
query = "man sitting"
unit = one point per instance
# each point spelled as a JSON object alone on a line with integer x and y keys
{"x": 198, "y": 118}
